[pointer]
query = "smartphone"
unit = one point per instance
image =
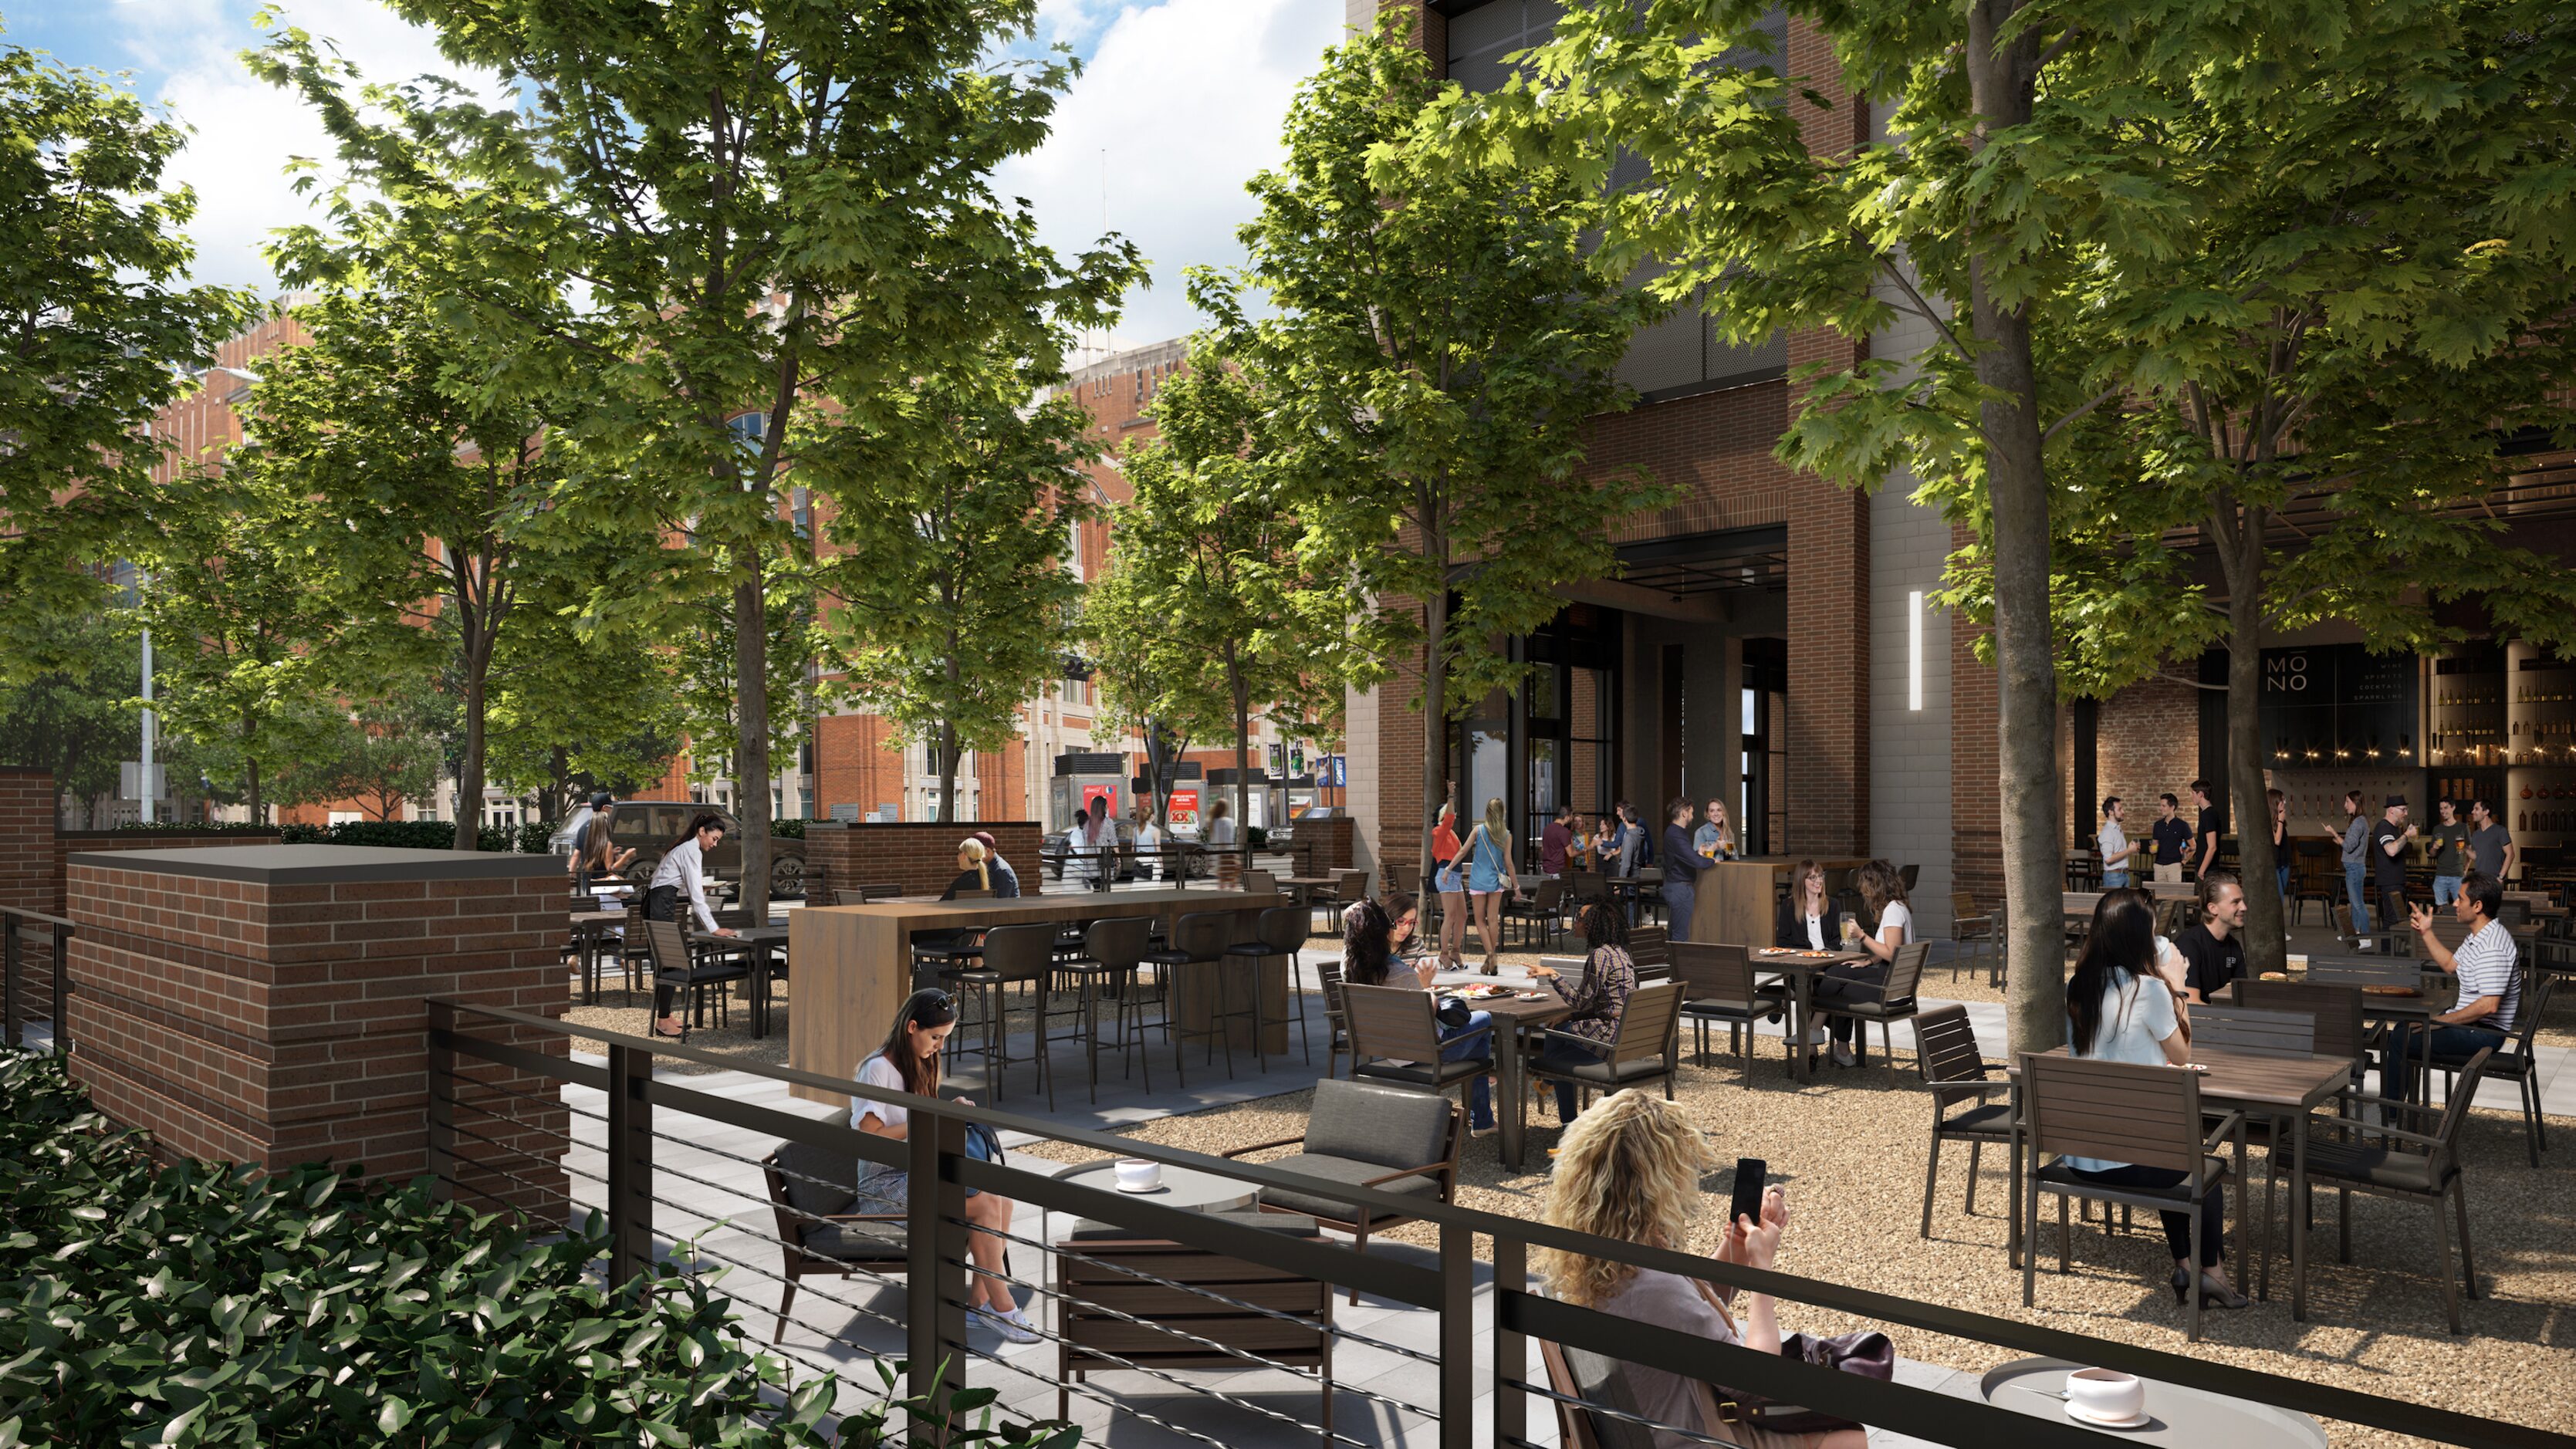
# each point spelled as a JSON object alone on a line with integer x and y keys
{"x": 1751, "y": 1174}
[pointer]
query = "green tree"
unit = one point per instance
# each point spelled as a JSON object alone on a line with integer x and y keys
{"x": 97, "y": 327}
{"x": 382, "y": 755}
{"x": 1204, "y": 606}
{"x": 76, "y": 721}
{"x": 698, "y": 613}
{"x": 1440, "y": 334}
{"x": 579, "y": 701}
{"x": 239, "y": 632}
{"x": 428, "y": 495}
{"x": 956, "y": 594}
{"x": 2371, "y": 299}
{"x": 776, "y": 210}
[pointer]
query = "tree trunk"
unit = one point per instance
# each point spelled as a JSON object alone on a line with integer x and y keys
{"x": 251, "y": 794}
{"x": 946, "y": 745}
{"x": 1242, "y": 757}
{"x": 2002, "y": 79}
{"x": 1435, "y": 730}
{"x": 558, "y": 796}
{"x": 469, "y": 768}
{"x": 2266, "y": 934}
{"x": 751, "y": 730}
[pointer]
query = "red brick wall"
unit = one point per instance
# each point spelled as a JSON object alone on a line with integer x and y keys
{"x": 279, "y": 1019}
{"x": 921, "y": 858}
{"x": 2147, "y": 743}
{"x": 72, "y": 842}
{"x": 856, "y": 762}
{"x": 27, "y": 878}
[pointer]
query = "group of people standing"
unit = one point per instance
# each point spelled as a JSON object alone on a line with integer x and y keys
{"x": 2375, "y": 855}
{"x": 2173, "y": 848}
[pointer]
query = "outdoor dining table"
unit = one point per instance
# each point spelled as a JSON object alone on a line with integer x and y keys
{"x": 768, "y": 944}
{"x": 1802, "y": 968}
{"x": 1524, "y": 1010}
{"x": 587, "y": 928}
{"x": 2188, "y": 1418}
{"x": 2284, "y": 1089}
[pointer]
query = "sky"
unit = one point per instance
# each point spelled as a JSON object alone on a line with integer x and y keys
{"x": 1179, "y": 104}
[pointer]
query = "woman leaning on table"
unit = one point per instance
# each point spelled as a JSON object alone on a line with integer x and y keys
{"x": 2118, "y": 1009}
{"x": 682, "y": 871}
{"x": 1629, "y": 1170}
{"x": 1375, "y": 935}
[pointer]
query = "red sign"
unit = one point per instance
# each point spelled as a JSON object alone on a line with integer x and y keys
{"x": 1100, "y": 799}
{"x": 1183, "y": 813}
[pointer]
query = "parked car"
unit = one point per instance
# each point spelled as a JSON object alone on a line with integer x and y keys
{"x": 649, "y": 826}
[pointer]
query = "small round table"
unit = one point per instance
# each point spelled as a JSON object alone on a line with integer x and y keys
{"x": 1185, "y": 1188}
{"x": 2175, "y": 1415}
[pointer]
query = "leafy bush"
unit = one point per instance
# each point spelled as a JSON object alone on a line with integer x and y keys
{"x": 398, "y": 835}
{"x": 787, "y": 829}
{"x": 1257, "y": 836}
{"x": 182, "y": 827}
{"x": 201, "y": 1305}
{"x": 533, "y": 835}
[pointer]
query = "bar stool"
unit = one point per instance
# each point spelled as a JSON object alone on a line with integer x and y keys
{"x": 1112, "y": 950}
{"x": 1199, "y": 938}
{"x": 1010, "y": 954}
{"x": 1280, "y": 931}
{"x": 951, "y": 951}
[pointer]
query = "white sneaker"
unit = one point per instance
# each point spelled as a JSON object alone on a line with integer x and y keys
{"x": 1843, "y": 1056}
{"x": 1014, "y": 1326}
{"x": 1816, "y": 1036}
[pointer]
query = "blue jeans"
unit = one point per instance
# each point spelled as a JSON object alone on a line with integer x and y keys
{"x": 1679, "y": 897}
{"x": 2114, "y": 880}
{"x": 1563, "y": 1055}
{"x": 2444, "y": 888}
{"x": 1473, "y": 1040}
{"x": 2356, "y": 893}
{"x": 2285, "y": 881}
{"x": 2406, "y": 1048}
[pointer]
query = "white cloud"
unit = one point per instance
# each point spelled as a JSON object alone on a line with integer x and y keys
{"x": 246, "y": 129}
{"x": 1182, "y": 101}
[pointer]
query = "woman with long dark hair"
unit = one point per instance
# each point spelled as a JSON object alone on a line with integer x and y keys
{"x": 909, "y": 1062}
{"x": 2119, "y": 1010}
{"x": 1609, "y": 979}
{"x": 1374, "y": 937}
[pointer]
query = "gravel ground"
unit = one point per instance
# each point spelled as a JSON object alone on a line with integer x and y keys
{"x": 1851, "y": 1154}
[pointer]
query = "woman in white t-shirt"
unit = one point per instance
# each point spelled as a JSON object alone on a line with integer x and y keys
{"x": 1629, "y": 1170}
{"x": 909, "y": 1062}
{"x": 1882, "y": 889}
{"x": 2119, "y": 1010}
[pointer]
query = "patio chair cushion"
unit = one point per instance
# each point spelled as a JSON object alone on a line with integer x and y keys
{"x": 1986, "y": 1119}
{"x": 856, "y": 1242}
{"x": 1740, "y": 1010}
{"x": 1340, "y": 1169}
{"x": 1367, "y": 1122}
{"x": 1426, "y": 1074}
{"x": 820, "y": 1181}
{"x": 2214, "y": 1169}
{"x": 2378, "y": 1166}
{"x": 1606, "y": 1074}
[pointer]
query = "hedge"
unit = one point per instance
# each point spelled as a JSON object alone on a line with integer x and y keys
{"x": 204, "y": 1304}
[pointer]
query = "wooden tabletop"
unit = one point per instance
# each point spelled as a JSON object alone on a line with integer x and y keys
{"x": 1547, "y": 1007}
{"x": 1779, "y": 958}
{"x": 926, "y": 914}
{"x": 2286, "y": 1084}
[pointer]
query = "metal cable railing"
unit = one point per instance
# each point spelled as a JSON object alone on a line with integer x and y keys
{"x": 1443, "y": 1287}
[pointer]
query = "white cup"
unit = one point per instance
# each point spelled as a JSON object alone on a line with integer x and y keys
{"x": 2298, "y": 963}
{"x": 1135, "y": 1174}
{"x": 2107, "y": 1395}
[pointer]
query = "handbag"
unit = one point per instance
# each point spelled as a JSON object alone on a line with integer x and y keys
{"x": 1870, "y": 1355}
{"x": 1453, "y": 1013}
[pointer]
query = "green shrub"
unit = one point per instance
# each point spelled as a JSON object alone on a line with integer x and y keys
{"x": 201, "y": 1304}
{"x": 533, "y": 835}
{"x": 787, "y": 829}
{"x": 182, "y": 827}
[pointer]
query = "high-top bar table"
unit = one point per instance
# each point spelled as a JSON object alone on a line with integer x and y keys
{"x": 853, "y": 964}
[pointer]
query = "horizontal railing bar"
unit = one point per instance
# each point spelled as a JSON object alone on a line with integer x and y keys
{"x": 21, "y": 913}
{"x": 1418, "y": 1287}
{"x": 535, "y": 1064}
{"x": 824, "y": 1132}
{"x": 1925, "y": 1413}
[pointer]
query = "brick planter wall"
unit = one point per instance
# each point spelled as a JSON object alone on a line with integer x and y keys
{"x": 921, "y": 858}
{"x": 68, "y": 843}
{"x": 1330, "y": 841}
{"x": 264, "y": 1004}
{"x": 26, "y": 876}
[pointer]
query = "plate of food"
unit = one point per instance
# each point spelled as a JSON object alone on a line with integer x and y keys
{"x": 2390, "y": 991}
{"x": 1479, "y": 991}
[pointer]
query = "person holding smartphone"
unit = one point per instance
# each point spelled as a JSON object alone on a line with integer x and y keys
{"x": 1629, "y": 1170}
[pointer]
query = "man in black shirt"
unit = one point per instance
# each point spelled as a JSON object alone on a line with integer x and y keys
{"x": 2206, "y": 829}
{"x": 2213, "y": 953}
{"x": 2172, "y": 839}
{"x": 2389, "y": 840}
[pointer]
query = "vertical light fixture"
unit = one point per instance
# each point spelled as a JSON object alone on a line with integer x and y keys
{"x": 1914, "y": 650}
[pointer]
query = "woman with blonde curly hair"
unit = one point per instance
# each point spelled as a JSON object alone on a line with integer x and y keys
{"x": 1629, "y": 1170}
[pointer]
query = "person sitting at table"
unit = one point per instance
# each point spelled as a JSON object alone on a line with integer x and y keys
{"x": 1882, "y": 889}
{"x": 683, "y": 871}
{"x": 909, "y": 1063}
{"x": 1682, "y": 866}
{"x": 978, "y": 869}
{"x": 1609, "y": 979}
{"x": 1629, "y": 1170}
{"x": 1805, "y": 913}
{"x": 2119, "y": 1010}
{"x": 1006, "y": 881}
{"x": 1375, "y": 938}
{"x": 593, "y": 853}
{"x": 2490, "y": 987}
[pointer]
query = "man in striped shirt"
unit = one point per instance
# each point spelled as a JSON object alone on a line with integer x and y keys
{"x": 2490, "y": 986}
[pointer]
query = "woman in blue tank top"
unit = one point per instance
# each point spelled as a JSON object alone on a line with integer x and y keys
{"x": 1488, "y": 857}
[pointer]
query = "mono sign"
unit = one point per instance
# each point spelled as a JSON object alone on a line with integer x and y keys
{"x": 2286, "y": 671}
